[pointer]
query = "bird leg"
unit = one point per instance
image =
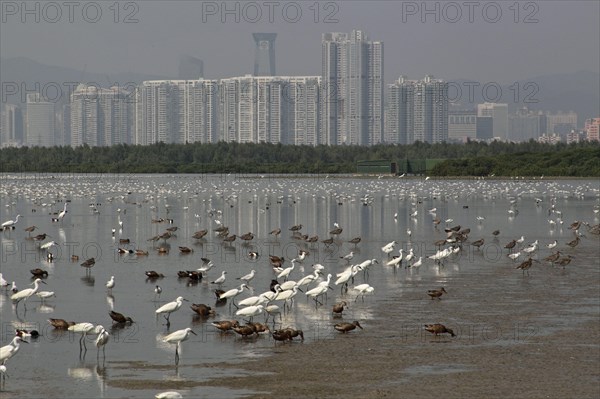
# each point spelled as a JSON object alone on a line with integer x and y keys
{"x": 177, "y": 355}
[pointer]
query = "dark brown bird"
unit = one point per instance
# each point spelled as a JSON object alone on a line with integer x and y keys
{"x": 172, "y": 229}
{"x": 141, "y": 252}
{"x": 119, "y": 318}
{"x": 355, "y": 241}
{"x": 495, "y": 233}
{"x": 553, "y": 257}
{"x": 338, "y": 308}
{"x": 194, "y": 275}
{"x": 247, "y": 237}
{"x": 258, "y": 327}
{"x": 30, "y": 229}
{"x": 276, "y": 259}
{"x": 525, "y": 266}
{"x": 185, "y": 250}
{"x": 182, "y": 273}
{"x": 39, "y": 273}
{"x": 60, "y": 324}
{"x": 202, "y": 309}
{"x": 40, "y": 237}
{"x": 89, "y": 262}
{"x": 336, "y": 232}
{"x": 230, "y": 238}
{"x": 218, "y": 292}
{"x": 565, "y": 261}
{"x": 294, "y": 333}
{"x": 295, "y": 228}
{"x": 312, "y": 239}
{"x": 124, "y": 241}
{"x": 154, "y": 275}
{"x": 162, "y": 250}
{"x": 436, "y": 293}
{"x": 200, "y": 234}
{"x": 575, "y": 225}
{"x": 511, "y": 244}
{"x": 437, "y": 329}
{"x": 281, "y": 335}
{"x": 225, "y": 325}
{"x": 328, "y": 242}
{"x": 275, "y": 232}
{"x": 574, "y": 243}
{"x": 221, "y": 229}
{"x": 345, "y": 327}
{"x": 478, "y": 243}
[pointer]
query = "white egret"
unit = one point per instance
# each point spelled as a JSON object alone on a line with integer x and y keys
{"x": 110, "y": 283}
{"x": 8, "y": 351}
{"x": 43, "y": 295}
{"x": 254, "y": 300}
{"x": 362, "y": 290}
{"x": 101, "y": 341}
{"x": 177, "y": 338}
{"x": 306, "y": 280}
{"x": 26, "y": 293}
{"x": 62, "y": 214}
{"x": 319, "y": 290}
{"x": 397, "y": 260}
{"x": 49, "y": 245}
{"x": 250, "y": 311}
{"x": 286, "y": 272}
{"x": 169, "y": 308}
{"x": 232, "y": 293}
{"x": 10, "y": 224}
{"x": 83, "y": 329}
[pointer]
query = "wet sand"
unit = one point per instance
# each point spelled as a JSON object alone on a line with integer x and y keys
{"x": 536, "y": 344}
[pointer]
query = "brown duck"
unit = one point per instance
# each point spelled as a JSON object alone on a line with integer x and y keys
{"x": 119, "y": 317}
{"x": 338, "y": 308}
{"x": 345, "y": 327}
{"x": 437, "y": 329}
{"x": 436, "y": 293}
{"x": 60, "y": 324}
{"x": 202, "y": 309}
{"x": 225, "y": 325}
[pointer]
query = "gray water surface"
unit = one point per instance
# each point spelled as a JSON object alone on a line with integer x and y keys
{"x": 139, "y": 365}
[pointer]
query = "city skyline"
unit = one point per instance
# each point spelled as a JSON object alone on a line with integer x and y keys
{"x": 460, "y": 42}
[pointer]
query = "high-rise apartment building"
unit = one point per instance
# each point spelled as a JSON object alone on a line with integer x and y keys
{"x": 270, "y": 109}
{"x": 40, "y": 121}
{"x": 352, "y": 98}
{"x": 417, "y": 110}
{"x": 100, "y": 117}
{"x": 499, "y": 114}
{"x": 176, "y": 111}
{"x": 523, "y": 126}
{"x": 12, "y": 126}
{"x": 561, "y": 122}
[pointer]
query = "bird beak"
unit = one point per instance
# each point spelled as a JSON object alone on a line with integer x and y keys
{"x": 185, "y": 300}
{"x": 43, "y": 282}
{"x": 193, "y": 332}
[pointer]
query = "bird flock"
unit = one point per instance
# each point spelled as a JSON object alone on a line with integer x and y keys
{"x": 328, "y": 269}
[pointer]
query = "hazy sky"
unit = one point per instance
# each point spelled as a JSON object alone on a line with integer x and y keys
{"x": 561, "y": 36}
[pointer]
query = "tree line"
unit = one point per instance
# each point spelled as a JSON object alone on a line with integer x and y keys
{"x": 470, "y": 159}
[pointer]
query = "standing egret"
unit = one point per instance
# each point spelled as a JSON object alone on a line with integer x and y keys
{"x": 286, "y": 272}
{"x": 362, "y": 290}
{"x": 250, "y": 311}
{"x": 232, "y": 293}
{"x": 10, "y": 224}
{"x": 8, "y": 351}
{"x": 101, "y": 341}
{"x": 319, "y": 290}
{"x": 177, "y": 338}
{"x": 3, "y": 282}
{"x": 43, "y": 295}
{"x": 83, "y": 329}
{"x": 418, "y": 263}
{"x": 62, "y": 214}
{"x": 110, "y": 283}
{"x": 170, "y": 308}
{"x": 26, "y": 293}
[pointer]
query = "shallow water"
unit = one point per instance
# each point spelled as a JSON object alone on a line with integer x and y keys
{"x": 139, "y": 364}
